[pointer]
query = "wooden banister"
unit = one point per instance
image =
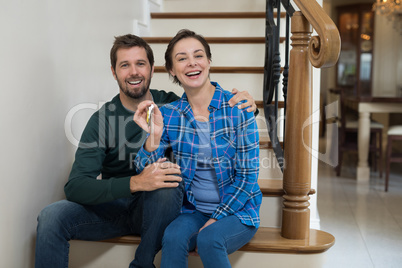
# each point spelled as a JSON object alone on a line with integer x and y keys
{"x": 297, "y": 167}
{"x": 318, "y": 51}
{"x": 324, "y": 48}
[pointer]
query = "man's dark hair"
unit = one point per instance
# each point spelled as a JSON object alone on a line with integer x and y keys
{"x": 184, "y": 33}
{"x": 129, "y": 41}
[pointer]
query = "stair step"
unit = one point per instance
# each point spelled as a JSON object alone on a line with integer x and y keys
{"x": 260, "y": 104}
{"x": 211, "y": 15}
{"x": 271, "y": 187}
{"x": 274, "y": 187}
{"x": 253, "y": 83}
{"x": 267, "y": 239}
{"x": 223, "y": 54}
{"x": 215, "y": 40}
{"x": 224, "y": 69}
{"x": 254, "y": 27}
{"x": 265, "y": 142}
{"x": 205, "y": 5}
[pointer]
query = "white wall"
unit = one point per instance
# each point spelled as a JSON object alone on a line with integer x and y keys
{"x": 53, "y": 56}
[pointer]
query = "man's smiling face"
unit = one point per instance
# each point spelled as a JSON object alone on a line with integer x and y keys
{"x": 133, "y": 72}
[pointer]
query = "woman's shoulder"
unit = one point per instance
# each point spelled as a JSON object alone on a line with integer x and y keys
{"x": 226, "y": 96}
{"x": 171, "y": 109}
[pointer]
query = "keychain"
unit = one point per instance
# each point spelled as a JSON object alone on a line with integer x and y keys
{"x": 149, "y": 114}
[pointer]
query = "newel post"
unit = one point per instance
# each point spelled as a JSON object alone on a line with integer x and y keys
{"x": 297, "y": 166}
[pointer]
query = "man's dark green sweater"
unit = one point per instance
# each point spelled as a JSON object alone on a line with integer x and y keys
{"x": 108, "y": 146}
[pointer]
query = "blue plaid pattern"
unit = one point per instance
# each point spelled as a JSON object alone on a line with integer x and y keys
{"x": 235, "y": 152}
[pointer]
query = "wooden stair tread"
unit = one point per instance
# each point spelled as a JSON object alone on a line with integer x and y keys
{"x": 225, "y": 69}
{"x": 274, "y": 187}
{"x": 265, "y": 142}
{"x": 267, "y": 239}
{"x": 257, "y": 70}
{"x": 215, "y": 40}
{"x": 271, "y": 187}
{"x": 211, "y": 15}
{"x": 260, "y": 104}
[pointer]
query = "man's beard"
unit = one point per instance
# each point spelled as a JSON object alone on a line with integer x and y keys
{"x": 137, "y": 94}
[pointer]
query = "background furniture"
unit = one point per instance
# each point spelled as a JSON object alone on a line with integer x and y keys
{"x": 365, "y": 107}
{"x": 348, "y": 133}
{"x": 394, "y": 134}
{"x": 354, "y": 67}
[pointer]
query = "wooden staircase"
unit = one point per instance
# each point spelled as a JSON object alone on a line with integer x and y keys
{"x": 270, "y": 237}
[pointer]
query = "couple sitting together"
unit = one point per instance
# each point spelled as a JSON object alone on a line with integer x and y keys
{"x": 204, "y": 203}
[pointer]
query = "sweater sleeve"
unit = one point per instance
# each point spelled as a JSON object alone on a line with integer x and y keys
{"x": 83, "y": 186}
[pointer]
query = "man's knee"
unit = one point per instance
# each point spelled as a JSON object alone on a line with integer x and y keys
{"x": 53, "y": 215}
{"x": 167, "y": 195}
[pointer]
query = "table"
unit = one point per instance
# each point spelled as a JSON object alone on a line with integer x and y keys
{"x": 366, "y": 106}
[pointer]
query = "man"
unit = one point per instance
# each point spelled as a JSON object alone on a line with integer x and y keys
{"x": 105, "y": 196}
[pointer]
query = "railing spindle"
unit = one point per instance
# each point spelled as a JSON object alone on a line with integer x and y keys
{"x": 297, "y": 168}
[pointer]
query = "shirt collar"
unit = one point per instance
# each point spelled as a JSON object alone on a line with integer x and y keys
{"x": 215, "y": 104}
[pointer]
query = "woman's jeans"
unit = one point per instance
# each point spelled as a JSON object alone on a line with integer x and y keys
{"x": 145, "y": 213}
{"x": 213, "y": 243}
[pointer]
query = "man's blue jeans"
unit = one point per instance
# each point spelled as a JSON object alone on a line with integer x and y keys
{"x": 145, "y": 213}
{"x": 213, "y": 243}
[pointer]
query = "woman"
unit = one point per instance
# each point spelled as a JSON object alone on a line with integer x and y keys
{"x": 217, "y": 148}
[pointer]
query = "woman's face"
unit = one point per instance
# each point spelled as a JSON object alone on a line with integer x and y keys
{"x": 190, "y": 63}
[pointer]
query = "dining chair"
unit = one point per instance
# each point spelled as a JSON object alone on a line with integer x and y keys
{"x": 394, "y": 134}
{"x": 348, "y": 133}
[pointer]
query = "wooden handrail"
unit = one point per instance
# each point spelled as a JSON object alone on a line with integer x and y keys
{"x": 325, "y": 48}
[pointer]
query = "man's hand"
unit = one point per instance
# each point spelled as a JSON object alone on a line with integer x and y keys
{"x": 240, "y": 96}
{"x": 160, "y": 174}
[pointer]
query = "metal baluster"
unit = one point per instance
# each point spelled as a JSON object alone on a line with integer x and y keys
{"x": 286, "y": 72}
{"x": 272, "y": 72}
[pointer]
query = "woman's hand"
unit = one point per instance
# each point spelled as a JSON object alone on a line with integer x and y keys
{"x": 140, "y": 117}
{"x": 209, "y": 222}
{"x": 155, "y": 128}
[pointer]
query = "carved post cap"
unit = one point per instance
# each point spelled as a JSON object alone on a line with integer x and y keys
{"x": 300, "y": 23}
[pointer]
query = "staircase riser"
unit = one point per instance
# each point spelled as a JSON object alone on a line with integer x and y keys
{"x": 210, "y": 27}
{"x": 248, "y": 55}
{"x": 251, "y": 55}
{"x": 250, "y": 82}
{"x": 85, "y": 254}
{"x": 269, "y": 168}
{"x": 253, "y": 83}
{"x": 217, "y": 5}
{"x": 271, "y": 212}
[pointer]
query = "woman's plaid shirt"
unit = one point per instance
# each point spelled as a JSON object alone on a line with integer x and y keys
{"x": 235, "y": 154}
